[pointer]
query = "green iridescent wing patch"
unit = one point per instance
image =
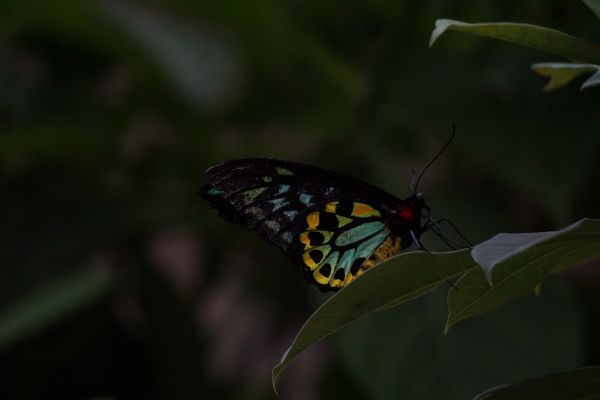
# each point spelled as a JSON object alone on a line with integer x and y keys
{"x": 333, "y": 226}
{"x": 337, "y": 243}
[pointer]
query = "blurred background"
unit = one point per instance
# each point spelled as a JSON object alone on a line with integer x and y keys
{"x": 117, "y": 282}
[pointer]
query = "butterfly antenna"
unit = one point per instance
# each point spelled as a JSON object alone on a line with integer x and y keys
{"x": 435, "y": 158}
{"x": 413, "y": 179}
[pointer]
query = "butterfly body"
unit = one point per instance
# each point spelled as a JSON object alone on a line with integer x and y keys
{"x": 334, "y": 226}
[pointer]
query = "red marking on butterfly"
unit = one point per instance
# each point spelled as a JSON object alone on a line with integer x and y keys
{"x": 406, "y": 214}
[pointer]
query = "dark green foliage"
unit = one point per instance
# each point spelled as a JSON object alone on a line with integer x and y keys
{"x": 585, "y": 56}
{"x": 111, "y": 111}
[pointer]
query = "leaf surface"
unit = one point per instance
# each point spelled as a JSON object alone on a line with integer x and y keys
{"x": 394, "y": 282}
{"x": 594, "y": 5}
{"x": 514, "y": 264}
{"x": 50, "y": 303}
{"x": 561, "y": 74}
{"x": 538, "y": 37}
{"x": 576, "y": 384}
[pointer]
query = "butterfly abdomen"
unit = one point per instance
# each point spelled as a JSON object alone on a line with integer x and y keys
{"x": 389, "y": 248}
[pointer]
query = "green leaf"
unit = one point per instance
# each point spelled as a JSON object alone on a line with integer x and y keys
{"x": 576, "y": 384}
{"x": 514, "y": 264}
{"x": 561, "y": 74}
{"x": 592, "y": 80}
{"x": 200, "y": 65}
{"x": 537, "y": 37}
{"x": 50, "y": 303}
{"x": 396, "y": 281}
{"x": 594, "y": 5}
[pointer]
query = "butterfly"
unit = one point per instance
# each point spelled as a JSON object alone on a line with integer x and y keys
{"x": 334, "y": 226}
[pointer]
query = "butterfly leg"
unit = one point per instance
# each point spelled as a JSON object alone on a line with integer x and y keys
{"x": 421, "y": 247}
{"x": 454, "y": 228}
{"x": 435, "y": 227}
{"x": 440, "y": 233}
{"x": 431, "y": 226}
{"x": 418, "y": 242}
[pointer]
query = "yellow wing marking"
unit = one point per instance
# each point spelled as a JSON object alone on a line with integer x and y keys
{"x": 363, "y": 210}
{"x": 305, "y": 238}
{"x": 336, "y": 283}
{"x": 319, "y": 252}
{"x": 331, "y": 207}
{"x": 322, "y": 279}
{"x": 342, "y": 221}
{"x": 324, "y": 273}
{"x": 312, "y": 220}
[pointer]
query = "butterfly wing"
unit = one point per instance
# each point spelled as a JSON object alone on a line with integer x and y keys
{"x": 334, "y": 226}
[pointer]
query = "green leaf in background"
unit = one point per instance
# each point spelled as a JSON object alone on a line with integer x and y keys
{"x": 594, "y": 5}
{"x": 516, "y": 263}
{"x": 396, "y": 281}
{"x": 67, "y": 143}
{"x": 561, "y": 74}
{"x": 202, "y": 66}
{"x": 592, "y": 80}
{"x": 52, "y": 302}
{"x": 271, "y": 38}
{"x": 537, "y": 37}
{"x": 577, "y": 384}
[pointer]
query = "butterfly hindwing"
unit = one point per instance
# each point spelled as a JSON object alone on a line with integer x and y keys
{"x": 330, "y": 224}
{"x": 342, "y": 240}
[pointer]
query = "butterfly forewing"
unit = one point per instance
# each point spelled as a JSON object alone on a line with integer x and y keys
{"x": 335, "y": 227}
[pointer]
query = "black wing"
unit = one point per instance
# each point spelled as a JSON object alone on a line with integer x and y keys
{"x": 333, "y": 225}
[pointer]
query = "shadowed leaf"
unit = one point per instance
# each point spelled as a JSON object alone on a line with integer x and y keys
{"x": 516, "y": 263}
{"x": 396, "y": 281}
{"x": 561, "y": 74}
{"x": 201, "y": 65}
{"x": 50, "y": 303}
{"x": 537, "y": 37}
{"x": 594, "y": 5}
{"x": 576, "y": 384}
{"x": 592, "y": 80}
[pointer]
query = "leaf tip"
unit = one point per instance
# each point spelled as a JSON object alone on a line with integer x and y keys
{"x": 488, "y": 276}
{"x": 274, "y": 378}
{"x": 562, "y": 73}
{"x": 593, "y": 80}
{"x": 441, "y": 25}
{"x": 449, "y": 324}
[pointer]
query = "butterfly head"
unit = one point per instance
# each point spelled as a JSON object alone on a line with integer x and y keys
{"x": 410, "y": 214}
